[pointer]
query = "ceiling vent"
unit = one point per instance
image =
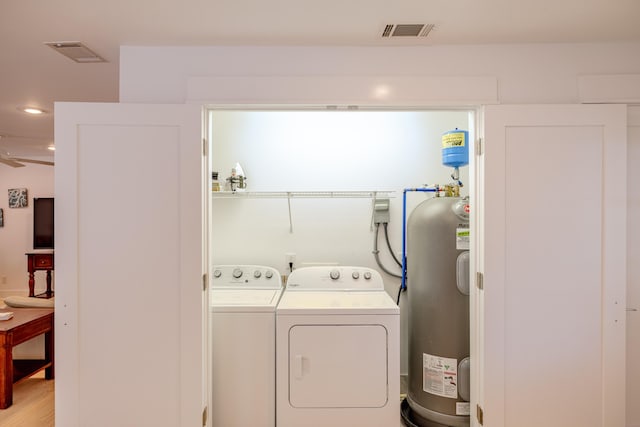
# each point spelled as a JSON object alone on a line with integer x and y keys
{"x": 76, "y": 51}
{"x": 406, "y": 30}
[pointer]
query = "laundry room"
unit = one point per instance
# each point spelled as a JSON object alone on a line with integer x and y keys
{"x": 310, "y": 202}
{"x": 303, "y": 188}
{"x": 311, "y": 179}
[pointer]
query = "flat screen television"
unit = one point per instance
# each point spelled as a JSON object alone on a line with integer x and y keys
{"x": 43, "y": 223}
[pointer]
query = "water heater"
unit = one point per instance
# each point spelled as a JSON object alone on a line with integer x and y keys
{"x": 438, "y": 302}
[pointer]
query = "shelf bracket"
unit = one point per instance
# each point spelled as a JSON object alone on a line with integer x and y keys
{"x": 290, "y": 218}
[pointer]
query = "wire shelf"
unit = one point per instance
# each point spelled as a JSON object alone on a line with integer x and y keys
{"x": 373, "y": 195}
{"x": 302, "y": 194}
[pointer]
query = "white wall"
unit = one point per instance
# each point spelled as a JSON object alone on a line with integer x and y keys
{"x": 16, "y": 237}
{"x": 542, "y": 73}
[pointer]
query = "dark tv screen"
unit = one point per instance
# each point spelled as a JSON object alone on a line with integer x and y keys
{"x": 43, "y": 223}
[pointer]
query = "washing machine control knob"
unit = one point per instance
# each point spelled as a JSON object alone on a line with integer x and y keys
{"x": 217, "y": 273}
{"x": 367, "y": 275}
{"x": 355, "y": 275}
{"x": 334, "y": 274}
{"x": 237, "y": 273}
{"x": 257, "y": 274}
{"x": 268, "y": 274}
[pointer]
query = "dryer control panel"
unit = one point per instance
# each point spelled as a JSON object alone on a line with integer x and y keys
{"x": 245, "y": 277}
{"x": 335, "y": 278}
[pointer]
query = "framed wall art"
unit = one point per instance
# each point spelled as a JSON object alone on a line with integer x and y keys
{"x": 18, "y": 198}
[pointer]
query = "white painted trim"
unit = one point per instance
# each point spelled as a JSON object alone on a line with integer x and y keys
{"x": 476, "y": 298}
{"x": 609, "y": 88}
{"x": 614, "y": 265}
{"x": 344, "y": 90}
{"x": 633, "y": 116}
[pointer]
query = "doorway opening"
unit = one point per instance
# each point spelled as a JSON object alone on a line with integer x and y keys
{"x": 298, "y": 187}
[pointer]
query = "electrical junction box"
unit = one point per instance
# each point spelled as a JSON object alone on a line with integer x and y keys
{"x": 381, "y": 211}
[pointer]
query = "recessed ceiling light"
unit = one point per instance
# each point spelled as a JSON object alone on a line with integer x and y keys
{"x": 51, "y": 147}
{"x": 32, "y": 110}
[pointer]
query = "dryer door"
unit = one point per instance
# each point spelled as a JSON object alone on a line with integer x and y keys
{"x": 338, "y": 366}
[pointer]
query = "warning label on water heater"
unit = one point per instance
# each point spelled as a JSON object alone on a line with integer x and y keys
{"x": 462, "y": 238}
{"x": 440, "y": 375}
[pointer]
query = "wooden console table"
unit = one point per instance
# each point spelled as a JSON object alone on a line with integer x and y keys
{"x": 25, "y": 324}
{"x": 40, "y": 261}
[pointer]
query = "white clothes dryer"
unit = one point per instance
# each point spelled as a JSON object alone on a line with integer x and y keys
{"x": 243, "y": 300}
{"x": 337, "y": 350}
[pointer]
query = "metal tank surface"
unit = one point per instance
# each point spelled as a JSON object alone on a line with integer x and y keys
{"x": 438, "y": 298}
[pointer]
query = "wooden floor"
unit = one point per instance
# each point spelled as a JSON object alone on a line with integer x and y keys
{"x": 33, "y": 404}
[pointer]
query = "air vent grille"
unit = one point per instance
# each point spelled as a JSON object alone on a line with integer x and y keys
{"x": 387, "y": 30}
{"x": 76, "y": 51}
{"x": 406, "y": 30}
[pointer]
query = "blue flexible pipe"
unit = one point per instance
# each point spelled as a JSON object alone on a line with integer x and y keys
{"x": 403, "y": 285}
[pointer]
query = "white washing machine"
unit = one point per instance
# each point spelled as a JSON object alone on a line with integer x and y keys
{"x": 337, "y": 350}
{"x": 243, "y": 301}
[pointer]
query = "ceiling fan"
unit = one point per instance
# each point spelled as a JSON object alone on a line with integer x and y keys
{"x": 17, "y": 162}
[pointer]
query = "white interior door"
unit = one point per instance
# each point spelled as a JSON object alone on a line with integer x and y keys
{"x": 554, "y": 211}
{"x": 633, "y": 268}
{"x": 129, "y": 265}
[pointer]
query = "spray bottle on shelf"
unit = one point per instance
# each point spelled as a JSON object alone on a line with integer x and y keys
{"x": 238, "y": 180}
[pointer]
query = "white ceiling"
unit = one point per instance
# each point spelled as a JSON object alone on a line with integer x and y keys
{"x": 35, "y": 75}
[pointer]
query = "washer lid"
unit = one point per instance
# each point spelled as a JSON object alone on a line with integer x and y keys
{"x": 247, "y": 300}
{"x": 340, "y": 302}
